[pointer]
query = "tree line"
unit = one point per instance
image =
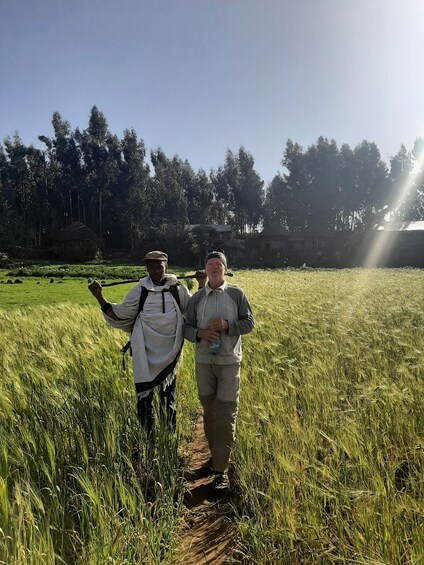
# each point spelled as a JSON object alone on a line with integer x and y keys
{"x": 108, "y": 183}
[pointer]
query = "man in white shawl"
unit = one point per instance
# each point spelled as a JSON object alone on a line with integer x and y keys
{"x": 153, "y": 312}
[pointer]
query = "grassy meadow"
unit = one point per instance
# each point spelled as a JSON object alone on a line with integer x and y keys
{"x": 329, "y": 456}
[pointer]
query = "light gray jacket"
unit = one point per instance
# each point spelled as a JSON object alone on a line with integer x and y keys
{"x": 228, "y": 302}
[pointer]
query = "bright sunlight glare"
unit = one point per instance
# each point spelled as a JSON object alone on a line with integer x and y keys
{"x": 385, "y": 240}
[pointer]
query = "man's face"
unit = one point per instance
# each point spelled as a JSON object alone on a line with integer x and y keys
{"x": 156, "y": 270}
{"x": 215, "y": 270}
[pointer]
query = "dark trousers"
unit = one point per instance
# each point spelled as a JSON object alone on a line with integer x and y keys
{"x": 167, "y": 411}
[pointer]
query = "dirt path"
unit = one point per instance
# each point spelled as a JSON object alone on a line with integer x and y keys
{"x": 208, "y": 535}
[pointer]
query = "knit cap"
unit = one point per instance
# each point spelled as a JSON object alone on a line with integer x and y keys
{"x": 217, "y": 255}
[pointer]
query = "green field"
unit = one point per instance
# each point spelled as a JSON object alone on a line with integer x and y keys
{"x": 329, "y": 456}
{"x": 59, "y": 284}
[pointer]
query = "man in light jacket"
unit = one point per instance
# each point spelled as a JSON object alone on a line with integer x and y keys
{"x": 217, "y": 316}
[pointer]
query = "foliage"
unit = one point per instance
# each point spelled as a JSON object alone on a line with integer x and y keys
{"x": 239, "y": 191}
{"x": 80, "y": 271}
{"x": 204, "y": 238}
{"x": 94, "y": 177}
{"x": 327, "y": 188}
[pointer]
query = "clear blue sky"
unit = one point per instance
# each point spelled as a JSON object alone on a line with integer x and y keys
{"x": 199, "y": 76}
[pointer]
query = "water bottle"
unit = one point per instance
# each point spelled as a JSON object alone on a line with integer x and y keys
{"x": 214, "y": 347}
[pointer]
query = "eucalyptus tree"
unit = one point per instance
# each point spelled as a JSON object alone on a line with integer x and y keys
{"x": 372, "y": 183}
{"x": 322, "y": 161}
{"x": 203, "y": 238}
{"x": 6, "y": 214}
{"x": 40, "y": 201}
{"x": 403, "y": 186}
{"x": 198, "y": 191}
{"x": 295, "y": 186}
{"x": 202, "y": 199}
{"x": 277, "y": 202}
{"x": 100, "y": 154}
{"x": 407, "y": 179}
{"x": 223, "y": 201}
{"x": 6, "y": 221}
{"x": 239, "y": 190}
{"x": 64, "y": 178}
{"x": 418, "y": 155}
{"x": 350, "y": 202}
{"x": 24, "y": 190}
{"x": 167, "y": 198}
{"x": 131, "y": 198}
{"x": 249, "y": 198}
{"x": 61, "y": 169}
{"x": 20, "y": 177}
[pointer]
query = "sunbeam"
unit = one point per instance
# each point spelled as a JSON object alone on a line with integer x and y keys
{"x": 384, "y": 241}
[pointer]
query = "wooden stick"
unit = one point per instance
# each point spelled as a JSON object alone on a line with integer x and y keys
{"x": 136, "y": 280}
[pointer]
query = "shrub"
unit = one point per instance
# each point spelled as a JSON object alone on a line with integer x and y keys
{"x": 4, "y": 260}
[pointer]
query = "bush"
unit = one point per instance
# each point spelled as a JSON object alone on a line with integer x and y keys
{"x": 4, "y": 260}
{"x": 76, "y": 251}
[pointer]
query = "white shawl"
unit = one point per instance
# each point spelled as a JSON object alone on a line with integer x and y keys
{"x": 156, "y": 337}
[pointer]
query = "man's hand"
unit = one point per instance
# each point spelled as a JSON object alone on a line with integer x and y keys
{"x": 218, "y": 325}
{"x": 97, "y": 291}
{"x": 95, "y": 288}
{"x": 208, "y": 335}
{"x": 200, "y": 277}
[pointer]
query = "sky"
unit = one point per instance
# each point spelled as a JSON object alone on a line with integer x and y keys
{"x": 198, "y": 77}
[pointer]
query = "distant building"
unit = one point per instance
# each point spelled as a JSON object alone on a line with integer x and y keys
{"x": 399, "y": 244}
{"x": 76, "y": 241}
{"x": 273, "y": 238}
{"x": 224, "y": 231}
{"x": 402, "y": 226}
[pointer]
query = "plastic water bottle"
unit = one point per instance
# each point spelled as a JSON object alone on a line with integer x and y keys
{"x": 215, "y": 346}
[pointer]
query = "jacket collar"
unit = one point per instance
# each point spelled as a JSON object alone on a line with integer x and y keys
{"x": 221, "y": 288}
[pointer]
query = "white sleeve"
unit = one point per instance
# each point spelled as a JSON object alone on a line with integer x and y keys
{"x": 126, "y": 312}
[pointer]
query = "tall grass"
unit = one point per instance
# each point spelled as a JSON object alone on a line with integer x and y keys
{"x": 79, "y": 482}
{"x": 330, "y": 449}
{"x": 329, "y": 454}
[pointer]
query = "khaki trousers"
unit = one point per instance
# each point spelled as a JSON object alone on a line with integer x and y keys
{"x": 218, "y": 387}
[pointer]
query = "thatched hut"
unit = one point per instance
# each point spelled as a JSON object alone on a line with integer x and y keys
{"x": 76, "y": 241}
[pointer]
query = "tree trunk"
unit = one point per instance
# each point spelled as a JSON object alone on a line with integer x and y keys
{"x": 100, "y": 214}
{"x": 84, "y": 218}
{"x": 70, "y": 207}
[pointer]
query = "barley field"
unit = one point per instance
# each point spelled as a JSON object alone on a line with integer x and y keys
{"x": 328, "y": 463}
